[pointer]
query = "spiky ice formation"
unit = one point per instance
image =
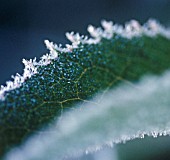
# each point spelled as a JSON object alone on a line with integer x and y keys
{"x": 130, "y": 30}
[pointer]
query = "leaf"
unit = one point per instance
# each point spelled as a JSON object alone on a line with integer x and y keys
{"x": 125, "y": 113}
{"x": 75, "y": 74}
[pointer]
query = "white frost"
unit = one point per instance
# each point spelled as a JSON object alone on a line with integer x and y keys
{"x": 131, "y": 29}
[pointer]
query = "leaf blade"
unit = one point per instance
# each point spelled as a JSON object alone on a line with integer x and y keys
{"x": 124, "y": 114}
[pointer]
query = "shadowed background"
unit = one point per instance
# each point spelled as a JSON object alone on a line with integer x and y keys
{"x": 25, "y": 24}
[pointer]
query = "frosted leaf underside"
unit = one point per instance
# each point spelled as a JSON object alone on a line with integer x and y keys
{"x": 125, "y": 113}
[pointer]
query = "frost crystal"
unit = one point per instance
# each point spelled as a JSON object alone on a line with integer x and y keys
{"x": 131, "y": 29}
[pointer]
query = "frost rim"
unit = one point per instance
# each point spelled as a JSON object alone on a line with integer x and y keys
{"x": 131, "y": 29}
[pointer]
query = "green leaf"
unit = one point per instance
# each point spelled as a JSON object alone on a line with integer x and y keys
{"x": 75, "y": 74}
{"x": 125, "y": 113}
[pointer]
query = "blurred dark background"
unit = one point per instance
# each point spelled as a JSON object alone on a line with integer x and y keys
{"x": 24, "y": 24}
